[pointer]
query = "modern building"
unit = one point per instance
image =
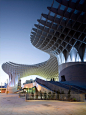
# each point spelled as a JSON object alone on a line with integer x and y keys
{"x": 62, "y": 34}
{"x": 29, "y": 81}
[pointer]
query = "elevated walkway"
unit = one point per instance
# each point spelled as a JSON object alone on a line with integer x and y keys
{"x": 55, "y": 86}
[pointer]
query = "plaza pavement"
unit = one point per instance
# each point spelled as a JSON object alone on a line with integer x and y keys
{"x": 11, "y": 104}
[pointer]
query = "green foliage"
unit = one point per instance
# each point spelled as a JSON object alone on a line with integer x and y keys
{"x": 32, "y": 93}
{"x": 40, "y": 94}
{"x": 53, "y": 95}
{"x": 58, "y": 91}
{"x": 49, "y": 95}
{"x": 62, "y": 92}
{"x": 36, "y": 96}
{"x": 45, "y": 92}
{"x": 45, "y": 95}
{"x": 74, "y": 99}
{"x": 69, "y": 91}
{"x": 69, "y": 94}
{"x": 49, "y": 92}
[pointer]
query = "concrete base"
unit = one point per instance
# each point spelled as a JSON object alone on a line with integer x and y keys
{"x": 73, "y": 72}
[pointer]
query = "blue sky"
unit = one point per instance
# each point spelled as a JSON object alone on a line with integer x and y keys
{"x": 17, "y": 17}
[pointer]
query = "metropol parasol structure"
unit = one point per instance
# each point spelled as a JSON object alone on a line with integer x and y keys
{"x": 62, "y": 34}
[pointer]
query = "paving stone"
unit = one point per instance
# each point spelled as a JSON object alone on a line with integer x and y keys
{"x": 11, "y": 104}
